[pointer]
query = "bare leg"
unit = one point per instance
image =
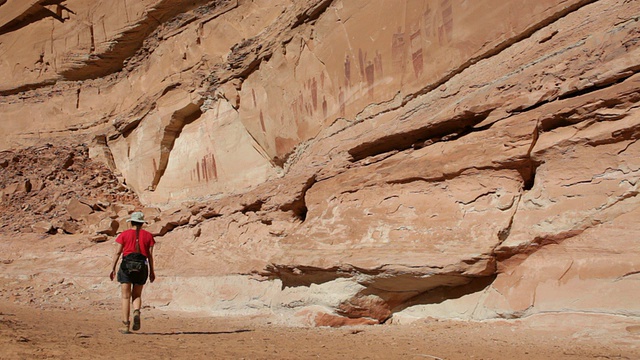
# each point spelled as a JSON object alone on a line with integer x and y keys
{"x": 136, "y": 297}
{"x": 126, "y": 301}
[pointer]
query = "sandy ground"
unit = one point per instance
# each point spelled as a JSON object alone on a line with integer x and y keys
{"x": 29, "y": 332}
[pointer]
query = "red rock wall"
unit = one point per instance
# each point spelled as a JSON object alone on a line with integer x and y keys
{"x": 449, "y": 158}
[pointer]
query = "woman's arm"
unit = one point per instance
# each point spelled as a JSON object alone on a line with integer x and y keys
{"x": 116, "y": 256}
{"x": 152, "y": 274}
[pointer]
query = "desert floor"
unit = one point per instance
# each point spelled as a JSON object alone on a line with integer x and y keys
{"x": 32, "y": 332}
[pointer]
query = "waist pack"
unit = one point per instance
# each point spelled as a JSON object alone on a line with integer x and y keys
{"x": 133, "y": 263}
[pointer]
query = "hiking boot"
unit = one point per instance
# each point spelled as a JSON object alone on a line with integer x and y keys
{"x": 136, "y": 320}
{"x": 125, "y": 328}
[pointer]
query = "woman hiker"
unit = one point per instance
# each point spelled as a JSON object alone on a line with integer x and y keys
{"x": 136, "y": 248}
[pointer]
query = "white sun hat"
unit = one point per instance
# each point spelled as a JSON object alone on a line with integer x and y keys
{"x": 137, "y": 217}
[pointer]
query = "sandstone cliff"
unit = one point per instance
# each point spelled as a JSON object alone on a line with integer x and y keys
{"x": 348, "y": 161}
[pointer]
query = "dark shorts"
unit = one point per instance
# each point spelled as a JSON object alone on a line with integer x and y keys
{"x": 137, "y": 278}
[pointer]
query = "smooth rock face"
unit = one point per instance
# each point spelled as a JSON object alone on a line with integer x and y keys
{"x": 363, "y": 161}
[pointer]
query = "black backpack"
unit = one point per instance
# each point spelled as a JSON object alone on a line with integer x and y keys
{"x": 134, "y": 262}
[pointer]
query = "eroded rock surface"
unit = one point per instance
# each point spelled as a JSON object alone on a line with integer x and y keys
{"x": 51, "y": 189}
{"x": 348, "y": 162}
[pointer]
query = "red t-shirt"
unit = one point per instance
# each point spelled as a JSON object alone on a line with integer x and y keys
{"x": 128, "y": 240}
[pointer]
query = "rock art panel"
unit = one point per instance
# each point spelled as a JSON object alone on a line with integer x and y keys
{"x": 350, "y": 63}
{"x": 160, "y": 161}
{"x": 226, "y": 159}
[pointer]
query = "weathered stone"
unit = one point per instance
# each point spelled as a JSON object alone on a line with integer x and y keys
{"x": 37, "y": 184}
{"x": 45, "y": 208}
{"x": 24, "y": 186}
{"x": 123, "y": 209}
{"x": 105, "y": 225}
{"x": 123, "y": 214}
{"x": 99, "y": 238}
{"x": 100, "y": 205}
{"x": 168, "y": 222}
{"x": 11, "y": 189}
{"x": 43, "y": 227}
{"x": 151, "y": 214}
{"x": 123, "y": 224}
{"x": 94, "y": 219}
{"x": 325, "y": 319}
{"x": 70, "y": 227}
{"x": 368, "y": 306}
{"x": 78, "y": 210}
{"x": 157, "y": 229}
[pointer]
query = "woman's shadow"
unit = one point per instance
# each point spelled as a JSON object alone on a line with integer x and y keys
{"x": 194, "y": 332}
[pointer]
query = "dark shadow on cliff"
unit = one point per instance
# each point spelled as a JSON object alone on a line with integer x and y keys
{"x": 294, "y": 276}
{"x": 308, "y": 277}
{"x": 36, "y": 13}
{"x": 443, "y": 293}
